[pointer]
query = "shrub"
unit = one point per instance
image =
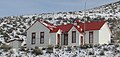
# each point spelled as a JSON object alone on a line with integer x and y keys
{"x": 9, "y": 30}
{"x": 116, "y": 45}
{"x": 117, "y": 51}
{"x": 49, "y": 49}
{"x": 21, "y": 30}
{"x": 86, "y": 46}
{"x": 18, "y": 33}
{"x": 83, "y": 47}
{"x": 105, "y": 49}
{"x": 102, "y": 53}
{"x": 96, "y": 45}
{"x": 22, "y": 48}
{"x": 23, "y": 33}
{"x": 57, "y": 46}
{"x": 24, "y": 27}
{"x": 5, "y": 47}
{"x": 99, "y": 47}
{"x": 90, "y": 46}
{"x": 68, "y": 48}
{"x": 17, "y": 36}
{"x": 37, "y": 51}
{"x": 76, "y": 47}
{"x": 43, "y": 48}
{"x": 110, "y": 44}
{"x": 91, "y": 53}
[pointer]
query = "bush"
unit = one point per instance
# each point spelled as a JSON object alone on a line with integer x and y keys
{"x": 117, "y": 51}
{"x": 86, "y": 46}
{"x": 90, "y": 46}
{"x": 110, "y": 44}
{"x": 105, "y": 49}
{"x": 49, "y": 49}
{"x": 116, "y": 45}
{"x": 99, "y": 47}
{"x": 24, "y": 49}
{"x": 57, "y": 46}
{"x": 91, "y": 53}
{"x": 76, "y": 47}
{"x": 17, "y": 36}
{"x": 83, "y": 47}
{"x": 68, "y": 48}
{"x": 37, "y": 51}
{"x": 9, "y": 30}
{"x": 21, "y": 30}
{"x": 96, "y": 45}
{"x": 102, "y": 53}
{"x": 5, "y": 47}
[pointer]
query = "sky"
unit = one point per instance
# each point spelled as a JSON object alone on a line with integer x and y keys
{"x": 22, "y": 7}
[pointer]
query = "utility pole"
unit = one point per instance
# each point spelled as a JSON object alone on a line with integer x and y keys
{"x": 84, "y": 18}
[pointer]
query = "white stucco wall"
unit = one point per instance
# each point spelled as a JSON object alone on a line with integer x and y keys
{"x": 95, "y": 36}
{"x": 78, "y": 38}
{"x": 38, "y": 27}
{"x": 101, "y": 36}
{"x": 105, "y": 34}
{"x": 53, "y": 38}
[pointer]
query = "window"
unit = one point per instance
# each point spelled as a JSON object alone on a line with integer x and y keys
{"x": 41, "y": 37}
{"x": 73, "y": 36}
{"x": 33, "y": 38}
{"x": 90, "y": 37}
{"x": 65, "y": 39}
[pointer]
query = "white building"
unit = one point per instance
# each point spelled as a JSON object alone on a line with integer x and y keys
{"x": 42, "y": 34}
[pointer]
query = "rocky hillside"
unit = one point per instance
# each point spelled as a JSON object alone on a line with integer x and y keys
{"x": 15, "y": 26}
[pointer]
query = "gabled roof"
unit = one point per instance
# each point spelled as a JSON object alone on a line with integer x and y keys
{"x": 65, "y": 28}
{"x": 51, "y": 27}
{"x": 79, "y": 29}
{"x": 54, "y": 30}
{"x": 92, "y": 25}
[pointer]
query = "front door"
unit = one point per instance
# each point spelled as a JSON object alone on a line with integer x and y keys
{"x": 58, "y": 39}
{"x": 81, "y": 40}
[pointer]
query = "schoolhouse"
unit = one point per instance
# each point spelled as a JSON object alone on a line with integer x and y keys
{"x": 42, "y": 34}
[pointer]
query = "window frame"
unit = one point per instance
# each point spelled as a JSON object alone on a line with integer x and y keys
{"x": 41, "y": 38}
{"x": 73, "y": 36}
{"x": 91, "y": 37}
{"x": 33, "y": 38}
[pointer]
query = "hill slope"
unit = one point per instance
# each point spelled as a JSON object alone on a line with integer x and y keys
{"x": 15, "y": 26}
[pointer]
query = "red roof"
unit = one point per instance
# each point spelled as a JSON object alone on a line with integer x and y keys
{"x": 65, "y": 28}
{"x": 92, "y": 25}
{"x": 54, "y": 30}
{"x": 79, "y": 29}
{"x": 51, "y": 27}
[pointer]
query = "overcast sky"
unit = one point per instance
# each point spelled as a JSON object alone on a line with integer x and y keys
{"x": 20, "y": 7}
